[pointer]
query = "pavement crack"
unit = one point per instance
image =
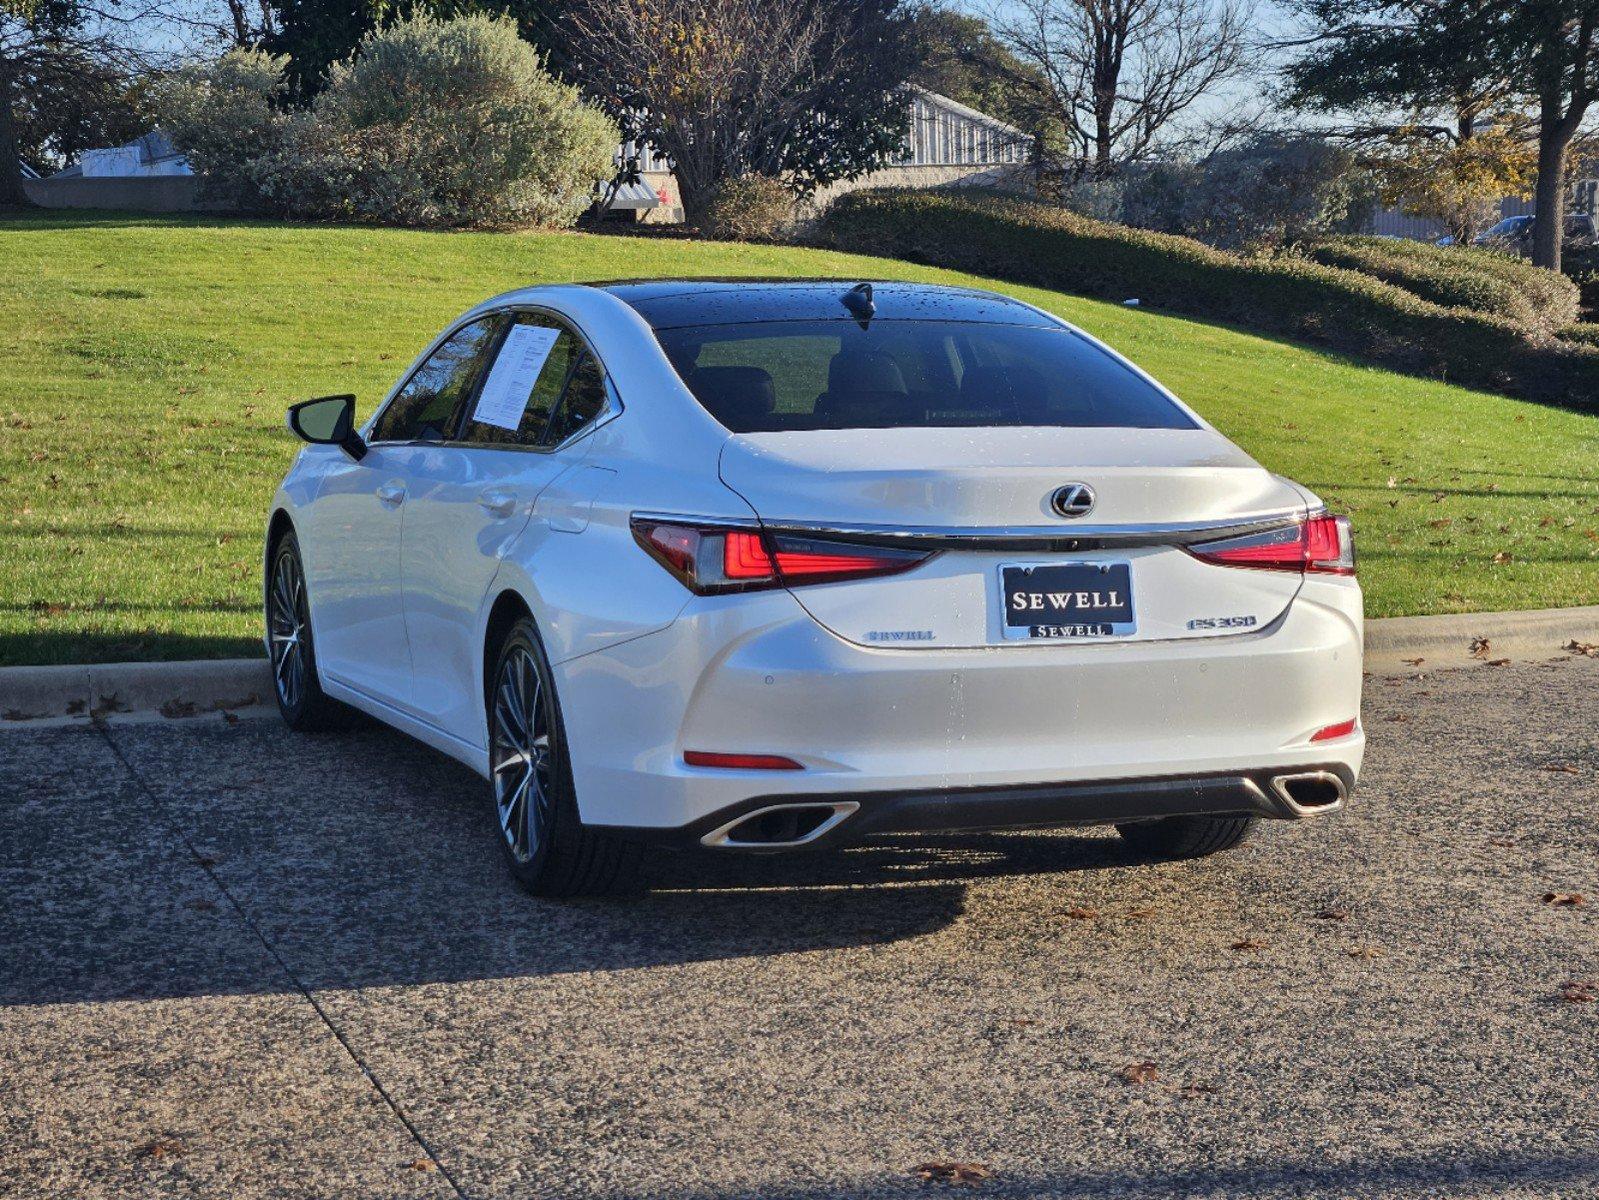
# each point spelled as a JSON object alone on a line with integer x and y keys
{"x": 205, "y": 864}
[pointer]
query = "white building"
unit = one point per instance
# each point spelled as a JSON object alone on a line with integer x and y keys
{"x": 949, "y": 144}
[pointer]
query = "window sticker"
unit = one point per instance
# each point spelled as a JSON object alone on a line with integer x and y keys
{"x": 516, "y": 369}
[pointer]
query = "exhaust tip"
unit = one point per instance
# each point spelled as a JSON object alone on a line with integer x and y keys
{"x": 1308, "y": 792}
{"x": 780, "y": 826}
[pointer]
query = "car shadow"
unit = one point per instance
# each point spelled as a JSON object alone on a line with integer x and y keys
{"x": 202, "y": 857}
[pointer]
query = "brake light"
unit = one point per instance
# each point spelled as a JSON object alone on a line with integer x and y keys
{"x": 1321, "y": 545}
{"x": 709, "y": 559}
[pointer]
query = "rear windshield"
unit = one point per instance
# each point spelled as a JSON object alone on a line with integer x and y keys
{"x": 775, "y": 375}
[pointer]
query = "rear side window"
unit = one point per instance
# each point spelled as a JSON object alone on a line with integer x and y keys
{"x": 491, "y": 425}
{"x": 425, "y": 408}
{"x": 581, "y": 404}
{"x": 776, "y": 375}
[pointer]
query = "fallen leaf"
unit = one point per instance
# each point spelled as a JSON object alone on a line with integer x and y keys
{"x": 16, "y": 714}
{"x": 1199, "y": 1089}
{"x": 1560, "y": 769}
{"x": 1082, "y": 914}
{"x": 941, "y": 1171}
{"x": 1140, "y": 1072}
{"x": 1503, "y": 843}
{"x": 1140, "y": 914}
{"x": 1415, "y": 662}
{"x": 1504, "y": 556}
{"x": 1479, "y": 647}
{"x": 422, "y": 1164}
{"x": 1397, "y": 717}
{"x": 229, "y": 717}
{"x": 175, "y": 710}
{"x": 108, "y": 705}
{"x": 1498, "y": 662}
{"x": 1249, "y": 943}
{"x": 1588, "y": 649}
{"x": 1332, "y": 914}
{"x": 1564, "y": 899}
{"x": 202, "y": 905}
{"x": 163, "y": 1148}
{"x": 1580, "y": 991}
{"x": 1365, "y": 952}
{"x": 76, "y": 707}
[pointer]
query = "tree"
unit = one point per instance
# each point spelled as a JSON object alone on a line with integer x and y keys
{"x": 60, "y": 115}
{"x": 1468, "y": 59}
{"x": 809, "y": 92}
{"x": 1120, "y": 72}
{"x": 962, "y": 58}
{"x": 1456, "y": 182}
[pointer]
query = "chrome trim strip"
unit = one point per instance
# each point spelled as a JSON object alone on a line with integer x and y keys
{"x": 1015, "y": 537}
{"x": 1021, "y": 537}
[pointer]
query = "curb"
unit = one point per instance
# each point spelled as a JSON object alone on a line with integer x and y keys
{"x": 170, "y": 689}
{"x": 176, "y": 690}
{"x": 1471, "y": 639}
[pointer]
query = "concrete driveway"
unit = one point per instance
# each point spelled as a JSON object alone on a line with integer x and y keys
{"x": 240, "y": 963}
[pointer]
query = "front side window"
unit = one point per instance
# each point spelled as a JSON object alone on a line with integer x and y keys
{"x": 524, "y": 386}
{"x": 832, "y": 374}
{"x": 425, "y": 408}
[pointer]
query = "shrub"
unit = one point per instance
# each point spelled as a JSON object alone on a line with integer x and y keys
{"x": 749, "y": 208}
{"x": 223, "y": 116}
{"x": 1586, "y": 334}
{"x": 1270, "y": 191}
{"x": 430, "y": 123}
{"x": 1030, "y": 242}
{"x": 459, "y": 124}
{"x": 1582, "y": 268}
{"x": 1539, "y": 301}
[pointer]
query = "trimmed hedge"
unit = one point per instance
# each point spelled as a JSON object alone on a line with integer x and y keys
{"x": 1586, "y": 334}
{"x": 1537, "y": 300}
{"x": 1024, "y": 241}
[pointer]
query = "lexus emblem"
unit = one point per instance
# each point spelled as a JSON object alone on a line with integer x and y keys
{"x": 1073, "y": 500}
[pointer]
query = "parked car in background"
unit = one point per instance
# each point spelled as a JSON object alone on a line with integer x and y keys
{"x": 1515, "y": 234}
{"x": 758, "y": 566}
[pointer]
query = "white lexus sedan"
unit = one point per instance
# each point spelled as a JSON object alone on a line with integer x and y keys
{"x": 760, "y": 565}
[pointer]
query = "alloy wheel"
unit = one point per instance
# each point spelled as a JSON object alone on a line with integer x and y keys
{"x": 521, "y": 754}
{"x": 286, "y": 629}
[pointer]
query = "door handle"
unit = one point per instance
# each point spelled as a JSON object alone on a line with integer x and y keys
{"x": 391, "y": 493}
{"x": 498, "y": 504}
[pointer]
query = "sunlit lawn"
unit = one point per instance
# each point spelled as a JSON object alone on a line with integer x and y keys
{"x": 149, "y": 361}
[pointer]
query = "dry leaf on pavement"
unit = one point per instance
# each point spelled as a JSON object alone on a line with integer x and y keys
{"x": 1140, "y": 1072}
{"x": 1564, "y": 899}
{"x": 940, "y": 1171}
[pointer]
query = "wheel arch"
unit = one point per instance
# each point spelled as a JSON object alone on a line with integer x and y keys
{"x": 509, "y": 607}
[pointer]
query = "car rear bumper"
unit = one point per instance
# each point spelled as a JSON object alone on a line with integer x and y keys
{"x": 758, "y": 825}
{"x": 931, "y": 738}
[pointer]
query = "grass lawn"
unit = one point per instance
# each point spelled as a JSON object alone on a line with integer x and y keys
{"x": 150, "y": 361}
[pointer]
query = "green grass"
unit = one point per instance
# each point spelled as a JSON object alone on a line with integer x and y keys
{"x": 149, "y": 362}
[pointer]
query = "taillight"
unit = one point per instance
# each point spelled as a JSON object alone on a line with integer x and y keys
{"x": 1321, "y": 545}
{"x": 708, "y": 559}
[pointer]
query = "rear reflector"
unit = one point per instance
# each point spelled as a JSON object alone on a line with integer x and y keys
{"x": 740, "y": 762}
{"x": 1333, "y": 732}
{"x": 709, "y": 559}
{"x": 1320, "y": 545}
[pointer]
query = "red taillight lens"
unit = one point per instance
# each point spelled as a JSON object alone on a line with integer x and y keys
{"x": 1323, "y": 545}
{"x": 708, "y": 559}
{"x": 740, "y": 762}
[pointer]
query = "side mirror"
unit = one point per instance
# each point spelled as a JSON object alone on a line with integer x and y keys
{"x": 328, "y": 421}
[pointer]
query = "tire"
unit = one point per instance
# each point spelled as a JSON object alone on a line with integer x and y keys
{"x": 546, "y": 845}
{"x": 305, "y": 707}
{"x": 1185, "y": 837}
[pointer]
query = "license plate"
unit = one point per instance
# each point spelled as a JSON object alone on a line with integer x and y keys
{"x": 1067, "y": 600}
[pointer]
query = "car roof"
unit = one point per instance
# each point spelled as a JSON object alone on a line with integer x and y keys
{"x": 671, "y": 303}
